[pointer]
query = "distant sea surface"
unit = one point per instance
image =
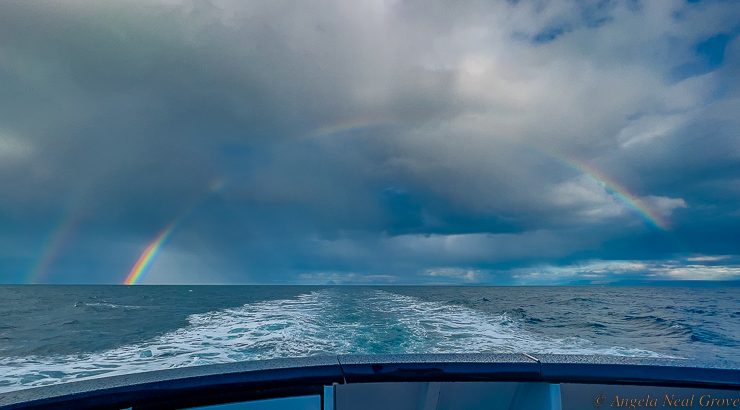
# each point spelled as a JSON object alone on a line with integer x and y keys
{"x": 54, "y": 334}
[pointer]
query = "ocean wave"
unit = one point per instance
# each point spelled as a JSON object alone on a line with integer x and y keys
{"x": 324, "y": 322}
{"x": 108, "y": 305}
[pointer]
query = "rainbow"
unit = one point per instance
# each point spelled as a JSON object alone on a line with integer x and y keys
{"x": 147, "y": 257}
{"x": 347, "y": 126}
{"x": 622, "y": 195}
{"x": 151, "y": 251}
{"x": 53, "y": 247}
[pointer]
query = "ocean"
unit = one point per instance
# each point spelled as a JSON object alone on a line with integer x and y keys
{"x": 54, "y": 334}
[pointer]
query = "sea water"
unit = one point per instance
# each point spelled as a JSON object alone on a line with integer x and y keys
{"x": 54, "y": 334}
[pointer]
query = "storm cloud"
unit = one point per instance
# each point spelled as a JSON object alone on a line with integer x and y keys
{"x": 369, "y": 141}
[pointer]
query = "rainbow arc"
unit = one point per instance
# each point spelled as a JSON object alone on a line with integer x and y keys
{"x": 622, "y": 195}
{"x": 147, "y": 257}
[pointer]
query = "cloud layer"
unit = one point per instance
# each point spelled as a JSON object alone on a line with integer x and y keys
{"x": 370, "y": 141}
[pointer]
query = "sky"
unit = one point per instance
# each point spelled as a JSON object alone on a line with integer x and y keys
{"x": 369, "y": 141}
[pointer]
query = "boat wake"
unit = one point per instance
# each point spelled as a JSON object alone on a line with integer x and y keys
{"x": 325, "y": 322}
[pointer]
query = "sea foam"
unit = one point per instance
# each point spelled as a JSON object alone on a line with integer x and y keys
{"x": 325, "y": 322}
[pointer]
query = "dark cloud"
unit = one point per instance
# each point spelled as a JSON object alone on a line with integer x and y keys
{"x": 372, "y": 142}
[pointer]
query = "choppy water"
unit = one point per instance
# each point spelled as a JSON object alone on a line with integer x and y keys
{"x": 53, "y": 334}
